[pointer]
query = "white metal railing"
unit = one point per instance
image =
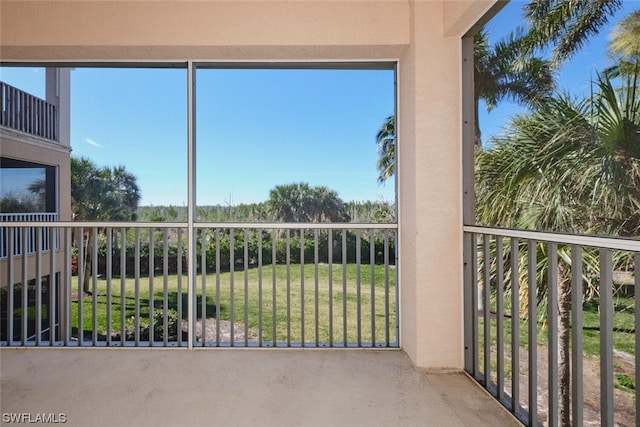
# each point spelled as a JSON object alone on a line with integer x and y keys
{"x": 523, "y": 285}
{"x": 29, "y": 237}
{"x": 24, "y": 112}
{"x": 250, "y": 285}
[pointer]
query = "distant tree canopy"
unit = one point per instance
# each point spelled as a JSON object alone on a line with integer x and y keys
{"x": 300, "y": 202}
{"x": 102, "y": 193}
{"x": 21, "y": 203}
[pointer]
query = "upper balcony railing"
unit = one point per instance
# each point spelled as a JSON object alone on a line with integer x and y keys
{"x": 26, "y": 113}
{"x": 29, "y": 238}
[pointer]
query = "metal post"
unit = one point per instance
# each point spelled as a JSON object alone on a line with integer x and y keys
{"x": 577, "y": 391}
{"x": 606, "y": 338}
{"x": 191, "y": 199}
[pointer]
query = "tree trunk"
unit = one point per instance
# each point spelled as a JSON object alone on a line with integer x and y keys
{"x": 87, "y": 265}
{"x": 564, "y": 346}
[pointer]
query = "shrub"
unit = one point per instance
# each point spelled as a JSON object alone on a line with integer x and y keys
{"x": 173, "y": 326}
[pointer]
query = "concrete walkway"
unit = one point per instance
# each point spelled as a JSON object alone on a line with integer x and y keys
{"x": 236, "y": 387}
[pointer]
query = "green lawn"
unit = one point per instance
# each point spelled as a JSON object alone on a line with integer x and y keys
{"x": 299, "y": 308}
{"x": 623, "y": 334}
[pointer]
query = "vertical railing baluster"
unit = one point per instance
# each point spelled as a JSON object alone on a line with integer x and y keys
{"x": 577, "y": 373}
{"x": 273, "y": 284}
{"x": 94, "y": 287}
{"x": 203, "y": 278}
{"x": 386, "y": 288}
{"x": 29, "y": 119}
{"x": 165, "y": 285}
{"x": 81, "y": 273}
{"x": 288, "y": 260}
{"x": 42, "y": 120}
{"x": 515, "y": 326}
{"x": 552, "y": 319}
{"x": 372, "y": 273}
{"x": 232, "y": 262}
{"x": 302, "y": 339}
{"x": 151, "y": 286}
{"x": 533, "y": 332}
{"x": 500, "y": 316}
{"x": 606, "y": 338}
{"x": 486, "y": 307}
{"x": 21, "y": 112}
{"x": 246, "y": 287}
{"x": 11, "y": 284}
{"x": 358, "y": 289}
{"x": 475, "y": 315}
{"x": 136, "y": 316}
{"x": 396, "y": 302}
{"x": 11, "y": 107}
{"x": 32, "y": 241}
{"x": 68, "y": 260}
{"x": 217, "y": 237}
{"x": 123, "y": 285}
{"x": 108, "y": 273}
{"x": 38, "y": 287}
{"x": 10, "y": 262}
{"x": 316, "y": 287}
{"x": 330, "y": 267}
{"x": 44, "y": 238}
{"x": 54, "y": 288}
{"x": 34, "y": 128}
{"x": 179, "y": 290}
{"x": 260, "y": 302}
{"x": 344, "y": 288}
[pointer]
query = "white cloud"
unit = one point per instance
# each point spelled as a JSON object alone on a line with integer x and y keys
{"x": 92, "y": 142}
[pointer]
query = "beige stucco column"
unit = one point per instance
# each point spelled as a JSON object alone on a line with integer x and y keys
{"x": 430, "y": 181}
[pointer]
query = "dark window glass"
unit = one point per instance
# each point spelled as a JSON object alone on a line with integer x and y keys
{"x": 26, "y": 187}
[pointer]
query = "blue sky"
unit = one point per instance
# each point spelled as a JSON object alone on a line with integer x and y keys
{"x": 575, "y": 76}
{"x": 258, "y": 128}
{"x": 255, "y": 129}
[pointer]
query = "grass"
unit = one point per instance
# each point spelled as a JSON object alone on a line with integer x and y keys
{"x": 623, "y": 335}
{"x": 623, "y": 326}
{"x": 294, "y": 321}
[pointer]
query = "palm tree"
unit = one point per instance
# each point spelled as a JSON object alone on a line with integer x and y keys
{"x": 286, "y": 204}
{"x": 624, "y": 46}
{"x": 570, "y": 166}
{"x": 327, "y": 206}
{"x": 299, "y": 202}
{"x": 624, "y": 41}
{"x": 127, "y": 189}
{"x": 100, "y": 194}
{"x": 500, "y": 73}
{"x": 565, "y": 25}
{"x": 387, "y": 149}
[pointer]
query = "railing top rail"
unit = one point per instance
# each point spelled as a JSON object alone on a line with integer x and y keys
{"x": 296, "y": 225}
{"x": 258, "y": 225}
{"x": 616, "y": 243}
{"x": 26, "y": 213}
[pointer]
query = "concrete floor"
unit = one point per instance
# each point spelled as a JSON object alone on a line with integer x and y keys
{"x": 235, "y": 387}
